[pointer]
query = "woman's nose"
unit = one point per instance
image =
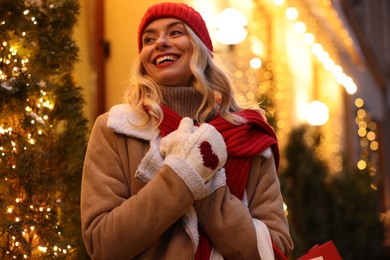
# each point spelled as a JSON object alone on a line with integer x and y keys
{"x": 162, "y": 42}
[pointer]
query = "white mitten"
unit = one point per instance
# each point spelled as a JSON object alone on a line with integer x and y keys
{"x": 194, "y": 152}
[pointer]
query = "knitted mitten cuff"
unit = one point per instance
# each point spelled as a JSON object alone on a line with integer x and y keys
{"x": 189, "y": 175}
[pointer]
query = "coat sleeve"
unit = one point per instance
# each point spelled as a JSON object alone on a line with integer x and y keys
{"x": 266, "y": 203}
{"x": 115, "y": 223}
{"x": 229, "y": 223}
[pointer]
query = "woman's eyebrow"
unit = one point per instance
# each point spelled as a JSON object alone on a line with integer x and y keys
{"x": 170, "y": 25}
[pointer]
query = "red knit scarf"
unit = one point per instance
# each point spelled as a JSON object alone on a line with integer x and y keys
{"x": 243, "y": 142}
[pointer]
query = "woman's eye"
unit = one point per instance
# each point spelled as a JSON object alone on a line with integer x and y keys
{"x": 148, "y": 40}
{"x": 176, "y": 33}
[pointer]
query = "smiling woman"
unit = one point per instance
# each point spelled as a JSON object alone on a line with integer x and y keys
{"x": 166, "y": 52}
{"x": 181, "y": 170}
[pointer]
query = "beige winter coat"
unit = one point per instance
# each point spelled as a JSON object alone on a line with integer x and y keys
{"x": 123, "y": 218}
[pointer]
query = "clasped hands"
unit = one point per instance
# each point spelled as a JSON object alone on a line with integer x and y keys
{"x": 202, "y": 148}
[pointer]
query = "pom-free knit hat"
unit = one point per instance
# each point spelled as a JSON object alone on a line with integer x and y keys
{"x": 180, "y": 11}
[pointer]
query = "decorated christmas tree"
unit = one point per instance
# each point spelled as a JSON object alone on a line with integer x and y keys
{"x": 42, "y": 131}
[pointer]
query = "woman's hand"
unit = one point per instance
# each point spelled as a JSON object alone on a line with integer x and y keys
{"x": 201, "y": 148}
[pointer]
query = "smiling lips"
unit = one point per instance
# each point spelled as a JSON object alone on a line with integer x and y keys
{"x": 166, "y": 58}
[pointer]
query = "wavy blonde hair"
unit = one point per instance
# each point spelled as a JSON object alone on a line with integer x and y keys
{"x": 210, "y": 78}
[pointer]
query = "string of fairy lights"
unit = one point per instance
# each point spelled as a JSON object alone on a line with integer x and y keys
{"x": 366, "y": 126}
{"x": 369, "y": 144}
{"x": 16, "y": 139}
{"x": 317, "y": 48}
{"x": 248, "y": 77}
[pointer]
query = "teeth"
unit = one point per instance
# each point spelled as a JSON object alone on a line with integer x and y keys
{"x": 165, "y": 58}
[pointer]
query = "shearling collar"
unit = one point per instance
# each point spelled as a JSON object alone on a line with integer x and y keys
{"x": 123, "y": 119}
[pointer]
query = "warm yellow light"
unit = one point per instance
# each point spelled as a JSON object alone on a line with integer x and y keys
{"x": 300, "y": 27}
{"x": 371, "y": 136}
{"x": 279, "y": 2}
{"x": 317, "y": 49}
{"x": 230, "y": 27}
{"x": 323, "y": 56}
{"x": 308, "y": 38}
{"x": 13, "y": 52}
{"x": 329, "y": 64}
{"x": 337, "y": 71}
{"x": 362, "y": 132}
{"x": 291, "y": 13}
{"x": 361, "y": 113}
{"x": 351, "y": 89}
{"x": 42, "y": 249}
{"x": 316, "y": 113}
{"x": 362, "y": 124}
{"x": 361, "y": 165}
{"x": 374, "y": 145}
{"x": 255, "y": 63}
{"x": 359, "y": 102}
{"x": 257, "y": 46}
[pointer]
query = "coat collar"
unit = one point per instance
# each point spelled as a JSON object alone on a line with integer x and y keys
{"x": 123, "y": 119}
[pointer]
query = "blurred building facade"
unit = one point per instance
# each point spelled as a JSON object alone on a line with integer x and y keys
{"x": 370, "y": 22}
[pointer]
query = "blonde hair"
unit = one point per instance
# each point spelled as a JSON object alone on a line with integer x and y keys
{"x": 210, "y": 79}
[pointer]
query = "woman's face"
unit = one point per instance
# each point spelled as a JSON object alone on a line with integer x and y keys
{"x": 166, "y": 52}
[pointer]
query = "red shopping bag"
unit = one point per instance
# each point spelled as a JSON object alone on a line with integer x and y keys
{"x": 327, "y": 251}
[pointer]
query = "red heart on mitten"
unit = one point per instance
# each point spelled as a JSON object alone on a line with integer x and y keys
{"x": 210, "y": 159}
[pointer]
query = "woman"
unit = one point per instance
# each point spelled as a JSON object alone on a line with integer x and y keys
{"x": 181, "y": 171}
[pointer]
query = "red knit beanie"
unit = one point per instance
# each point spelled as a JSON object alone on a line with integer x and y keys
{"x": 180, "y": 11}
